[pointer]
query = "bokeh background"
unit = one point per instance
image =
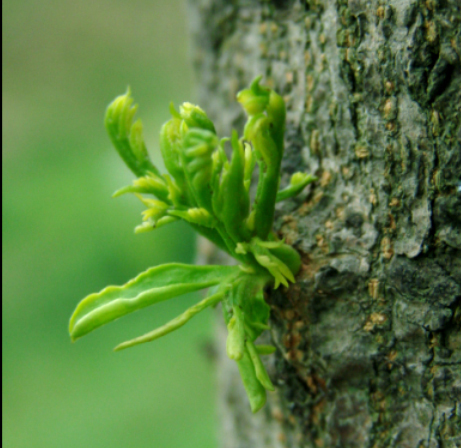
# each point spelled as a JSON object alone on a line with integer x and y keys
{"x": 64, "y": 237}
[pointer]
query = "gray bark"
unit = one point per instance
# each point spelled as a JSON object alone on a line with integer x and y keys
{"x": 369, "y": 338}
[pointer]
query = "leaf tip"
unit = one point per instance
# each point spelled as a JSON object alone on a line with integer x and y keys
{"x": 258, "y": 403}
{"x": 118, "y": 193}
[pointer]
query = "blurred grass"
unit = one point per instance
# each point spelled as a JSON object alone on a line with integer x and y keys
{"x": 64, "y": 237}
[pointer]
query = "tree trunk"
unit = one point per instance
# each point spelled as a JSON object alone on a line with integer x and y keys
{"x": 369, "y": 338}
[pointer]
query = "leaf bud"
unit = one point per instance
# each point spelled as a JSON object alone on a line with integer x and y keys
{"x": 198, "y": 216}
{"x": 255, "y": 99}
{"x": 127, "y": 137}
{"x": 195, "y": 117}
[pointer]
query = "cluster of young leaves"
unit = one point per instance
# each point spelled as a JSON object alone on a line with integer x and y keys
{"x": 211, "y": 193}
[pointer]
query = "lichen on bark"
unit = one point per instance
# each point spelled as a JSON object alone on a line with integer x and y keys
{"x": 369, "y": 339}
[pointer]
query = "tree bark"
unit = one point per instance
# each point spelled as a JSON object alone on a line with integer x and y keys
{"x": 369, "y": 338}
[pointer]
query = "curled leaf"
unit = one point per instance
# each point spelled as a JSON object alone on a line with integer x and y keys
{"x": 198, "y": 216}
{"x": 255, "y": 99}
{"x": 174, "y": 324}
{"x": 150, "y": 224}
{"x": 127, "y": 137}
{"x": 152, "y": 286}
{"x": 155, "y": 208}
{"x": 232, "y": 202}
{"x": 170, "y": 147}
{"x": 196, "y": 155}
{"x": 195, "y": 117}
{"x": 297, "y": 184}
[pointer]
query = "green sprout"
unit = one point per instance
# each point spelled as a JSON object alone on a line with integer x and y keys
{"x": 212, "y": 194}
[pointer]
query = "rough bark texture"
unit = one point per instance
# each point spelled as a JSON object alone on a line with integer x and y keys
{"x": 369, "y": 339}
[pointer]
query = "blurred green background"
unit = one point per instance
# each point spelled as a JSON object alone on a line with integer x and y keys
{"x": 64, "y": 237}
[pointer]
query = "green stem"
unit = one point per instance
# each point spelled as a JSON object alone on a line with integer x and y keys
{"x": 265, "y": 201}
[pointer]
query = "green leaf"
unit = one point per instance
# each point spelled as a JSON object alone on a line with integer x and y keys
{"x": 289, "y": 256}
{"x": 265, "y": 349}
{"x": 250, "y": 162}
{"x": 235, "y": 344}
{"x": 149, "y": 184}
{"x": 150, "y": 224}
{"x": 197, "y": 148}
{"x": 255, "y": 99}
{"x": 265, "y": 130}
{"x": 258, "y": 132}
{"x": 260, "y": 370}
{"x": 170, "y": 147}
{"x": 265, "y": 254}
{"x": 257, "y": 313}
{"x": 129, "y": 189}
{"x": 254, "y": 389}
{"x": 246, "y": 294}
{"x": 195, "y": 117}
{"x": 233, "y": 204}
{"x": 126, "y": 136}
{"x": 175, "y": 195}
{"x": 298, "y": 182}
{"x": 198, "y": 216}
{"x": 155, "y": 209}
{"x": 269, "y": 156}
{"x": 273, "y": 267}
{"x": 152, "y": 286}
{"x": 276, "y": 113}
{"x": 173, "y": 324}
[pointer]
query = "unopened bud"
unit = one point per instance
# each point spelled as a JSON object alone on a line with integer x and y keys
{"x": 195, "y": 117}
{"x": 255, "y": 99}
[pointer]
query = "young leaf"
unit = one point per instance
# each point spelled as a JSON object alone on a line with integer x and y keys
{"x": 155, "y": 209}
{"x": 250, "y": 162}
{"x": 173, "y": 324}
{"x": 197, "y": 148}
{"x": 257, "y": 313}
{"x": 151, "y": 224}
{"x": 289, "y": 256}
{"x": 255, "y": 99}
{"x": 276, "y": 113}
{"x": 198, "y": 216}
{"x": 149, "y": 184}
{"x": 152, "y": 286}
{"x": 265, "y": 349}
{"x": 126, "y": 136}
{"x": 297, "y": 183}
{"x": 269, "y": 155}
{"x": 195, "y": 117}
{"x": 260, "y": 370}
{"x": 258, "y": 131}
{"x": 265, "y": 130}
{"x": 170, "y": 147}
{"x": 235, "y": 344}
{"x": 233, "y": 212}
{"x": 254, "y": 389}
{"x": 247, "y": 298}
